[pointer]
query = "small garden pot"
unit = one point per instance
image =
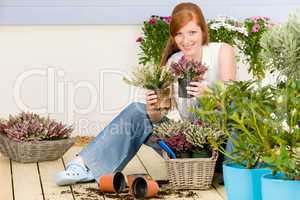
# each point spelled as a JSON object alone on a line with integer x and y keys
{"x": 242, "y": 183}
{"x": 144, "y": 188}
{"x": 163, "y": 99}
{"x": 114, "y": 182}
{"x": 276, "y": 188}
{"x": 182, "y": 84}
{"x": 132, "y": 177}
{"x": 184, "y": 155}
{"x": 201, "y": 154}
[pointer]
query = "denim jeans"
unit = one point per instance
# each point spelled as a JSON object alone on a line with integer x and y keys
{"x": 118, "y": 142}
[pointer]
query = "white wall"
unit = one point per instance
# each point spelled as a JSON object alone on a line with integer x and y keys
{"x": 74, "y": 73}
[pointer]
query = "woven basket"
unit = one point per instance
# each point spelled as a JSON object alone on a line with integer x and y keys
{"x": 191, "y": 173}
{"x": 27, "y": 152}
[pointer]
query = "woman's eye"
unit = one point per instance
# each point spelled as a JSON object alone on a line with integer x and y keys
{"x": 192, "y": 32}
{"x": 178, "y": 34}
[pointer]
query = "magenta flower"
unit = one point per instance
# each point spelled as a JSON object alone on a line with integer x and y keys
{"x": 167, "y": 19}
{"x": 255, "y": 28}
{"x": 188, "y": 69}
{"x": 152, "y": 21}
{"x": 140, "y": 39}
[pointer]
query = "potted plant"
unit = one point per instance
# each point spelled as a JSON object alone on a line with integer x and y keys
{"x": 155, "y": 34}
{"x": 242, "y": 110}
{"x": 155, "y": 78}
{"x": 186, "y": 71}
{"x": 28, "y": 137}
{"x": 284, "y": 158}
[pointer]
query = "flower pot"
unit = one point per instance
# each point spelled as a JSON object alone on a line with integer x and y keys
{"x": 242, "y": 183}
{"x": 144, "y": 188}
{"x": 163, "y": 99}
{"x": 114, "y": 182}
{"x": 201, "y": 154}
{"x": 184, "y": 155}
{"x": 132, "y": 177}
{"x": 182, "y": 84}
{"x": 276, "y": 188}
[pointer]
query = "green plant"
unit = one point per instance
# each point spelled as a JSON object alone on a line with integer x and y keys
{"x": 151, "y": 77}
{"x": 285, "y": 156}
{"x": 251, "y": 47}
{"x": 154, "y": 39}
{"x": 281, "y": 48}
{"x": 242, "y": 111}
{"x": 168, "y": 128}
{"x": 32, "y": 127}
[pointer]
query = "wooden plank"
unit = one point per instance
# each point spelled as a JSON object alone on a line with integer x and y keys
{"x": 51, "y": 190}
{"x": 220, "y": 189}
{"x": 85, "y": 190}
{"x": 153, "y": 162}
{"x": 26, "y": 181}
{"x": 5, "y": 180}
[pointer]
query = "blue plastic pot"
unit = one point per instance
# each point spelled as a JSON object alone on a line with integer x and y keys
{"x": 276, "y": 188}
{"x": 242, "y": 183}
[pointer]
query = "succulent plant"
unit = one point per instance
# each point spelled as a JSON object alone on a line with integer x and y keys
{"x": 32, "y": 127}
{"x": 168, "y": 128}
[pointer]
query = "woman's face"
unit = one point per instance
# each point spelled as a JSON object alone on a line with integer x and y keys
{"x": 189, "y": 40}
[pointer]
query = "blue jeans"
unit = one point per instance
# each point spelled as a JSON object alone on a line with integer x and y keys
{"x": 118, "y": 142}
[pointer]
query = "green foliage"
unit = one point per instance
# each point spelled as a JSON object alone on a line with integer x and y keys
{"x": 168, "y": 128}
{"x": 256, "y": 27}
{"x": 151, "y": 77}
{"x": 154, "y": 39}
{"x": 240, "y": 111}
{"x": 281, "y": 48}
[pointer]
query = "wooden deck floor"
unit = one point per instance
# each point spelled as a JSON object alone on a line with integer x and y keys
{"x": 34, "y": 181}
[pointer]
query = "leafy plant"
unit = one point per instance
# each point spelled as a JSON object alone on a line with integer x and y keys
{"x": 168, "y": 128}
{"x": 242, "y": 111}
{"x": 151, "y": 77}
{"x": 285, "y": 156}
{"x": 154, "y": 39}
{"x": 256, "y": 27}
{"x": 188, "y": 69}
{"x": 32, "y": 127}
{"x": 179, "y": 143}
{"x": 281, "y": 48}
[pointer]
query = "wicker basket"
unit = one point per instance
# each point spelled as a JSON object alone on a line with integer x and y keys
{"x": 27, "y": 152}
{"x": 191, "y": 173}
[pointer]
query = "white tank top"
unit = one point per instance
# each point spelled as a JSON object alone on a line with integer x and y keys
{"x": 210, "y": 57}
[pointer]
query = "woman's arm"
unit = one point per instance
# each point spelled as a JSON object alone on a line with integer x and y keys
{"x": 227, "y": 63}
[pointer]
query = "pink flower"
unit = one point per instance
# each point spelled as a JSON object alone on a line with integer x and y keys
{"x": 152, "y": 21}
{"x": 139, "y": 39}
{"x": 167, "y": 19}
{"x": 255, "y": 28}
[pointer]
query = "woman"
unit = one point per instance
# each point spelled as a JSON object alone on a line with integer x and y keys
{"x": 114, "y": 147}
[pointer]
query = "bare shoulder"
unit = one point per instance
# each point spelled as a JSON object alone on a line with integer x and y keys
{"x": 226, "y": 49}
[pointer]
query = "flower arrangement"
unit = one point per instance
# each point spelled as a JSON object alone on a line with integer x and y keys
{"x": 28, "y": 126}
{"x": 155, "y": 34}
{"x": 256, "y": 27}
{"x": 281, "y": 51}
{"x": 226, "y": 29}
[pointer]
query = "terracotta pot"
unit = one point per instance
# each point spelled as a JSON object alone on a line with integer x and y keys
{"x": 182, "y": 84}
{"x": 163, "y": 98}
{"x": 143, "y": 188}
{"x": 114, "y": 182}
{"x": 132, "y": 177}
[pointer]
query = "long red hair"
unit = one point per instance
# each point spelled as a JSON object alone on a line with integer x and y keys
{"x": 182, "y": 14}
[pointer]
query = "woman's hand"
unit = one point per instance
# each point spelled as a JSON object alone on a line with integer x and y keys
{"x": 196, "y": 89}
{"x": 151, "y": 99}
